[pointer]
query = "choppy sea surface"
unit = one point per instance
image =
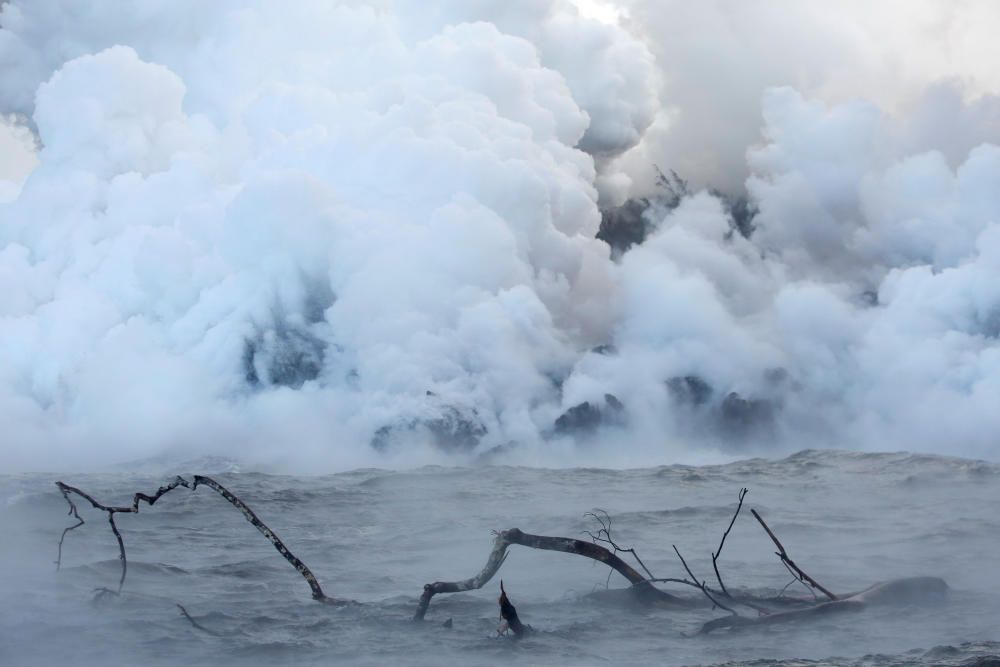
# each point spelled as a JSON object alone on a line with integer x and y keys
{"x": 376, "y": 536}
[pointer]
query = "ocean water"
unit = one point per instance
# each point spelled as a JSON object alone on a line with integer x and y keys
{"x": 377, "y": 536}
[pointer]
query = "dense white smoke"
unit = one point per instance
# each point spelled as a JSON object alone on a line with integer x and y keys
{"x": 332, "y": 234}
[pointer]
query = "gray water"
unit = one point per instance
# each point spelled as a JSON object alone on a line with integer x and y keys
{"x": 377, "y": 536}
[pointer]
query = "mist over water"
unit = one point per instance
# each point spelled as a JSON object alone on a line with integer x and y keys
{"x": 315, "y": 236}
{"x": 378, "y": 536}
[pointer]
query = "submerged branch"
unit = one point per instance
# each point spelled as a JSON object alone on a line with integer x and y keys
{"x": 898, "y": 591}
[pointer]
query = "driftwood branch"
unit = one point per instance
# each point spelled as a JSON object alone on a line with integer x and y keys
{"x": 640, "y": 585}
{"x": 783, "y": 555}
{"x": 300, "y": 567}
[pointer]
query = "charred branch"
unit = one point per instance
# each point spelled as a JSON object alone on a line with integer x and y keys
{"x": 508, "y": 616}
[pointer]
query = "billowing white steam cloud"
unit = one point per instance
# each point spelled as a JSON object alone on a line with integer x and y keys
{"x": 325, "y": 234}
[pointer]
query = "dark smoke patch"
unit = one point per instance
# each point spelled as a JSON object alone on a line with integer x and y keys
{"x": 585, "y": 418}
{"x": 734, "y": 417}
{"x": 629, "y": 224}
{"x": 287, "y": 352}
{"x": 452, "y": 430}
{"x": 282, "y": 356}
{"x": 689, "y": 390}
{"x": 743, "y": 417}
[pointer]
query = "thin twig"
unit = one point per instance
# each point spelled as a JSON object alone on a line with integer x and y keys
{"x": 702, "y": 586}
{"x": 783, "y": 555}
{"x": 196, "y": 624}
{"x": 605, "y": 530}
{"x": 722, "y": 542}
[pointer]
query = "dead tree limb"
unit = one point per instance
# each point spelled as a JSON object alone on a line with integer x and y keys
{"x": 640, "y": 584}
{"x": 496, "y": 558}
{"x": 783, "y": 555}
{"x": 300, "y": 567}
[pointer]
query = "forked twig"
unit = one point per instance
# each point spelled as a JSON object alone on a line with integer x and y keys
{"x": 604, "y": 535}
{"x": 702, "y": 586}
{"x": 722, "y": 542}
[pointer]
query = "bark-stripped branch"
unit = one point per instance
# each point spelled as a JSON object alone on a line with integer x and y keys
{"x": 640, "y": 584}
{"x": 783, "y": 555}
{"x": 248, "y": 514}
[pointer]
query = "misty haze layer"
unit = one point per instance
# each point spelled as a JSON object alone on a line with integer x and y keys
{"x": 367, "y": 231}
